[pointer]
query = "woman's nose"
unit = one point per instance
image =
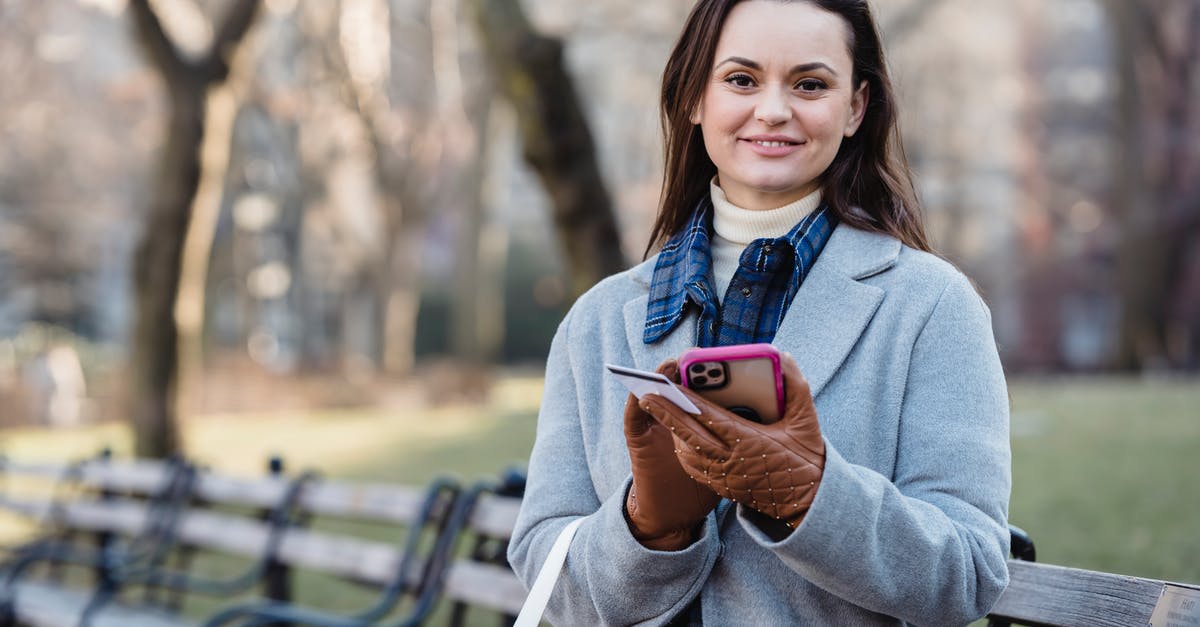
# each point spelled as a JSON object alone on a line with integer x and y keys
{"x": 772, "y": 106}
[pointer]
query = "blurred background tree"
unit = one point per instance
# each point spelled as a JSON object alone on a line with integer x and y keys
{"x": 158, "y": 263}
{"x": 385, "y": 197}
{"x": 1156, "y": 187}
{"x": 555, "y": 138}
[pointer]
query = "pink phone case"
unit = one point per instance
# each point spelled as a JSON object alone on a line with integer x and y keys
{"x": 746, "y": 378}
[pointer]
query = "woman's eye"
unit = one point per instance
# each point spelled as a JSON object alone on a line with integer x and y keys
{"x": 811, "y": 85}
{"x": 740, "y": 80}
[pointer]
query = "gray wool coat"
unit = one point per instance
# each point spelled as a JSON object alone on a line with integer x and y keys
{"x": 909, "y": 522}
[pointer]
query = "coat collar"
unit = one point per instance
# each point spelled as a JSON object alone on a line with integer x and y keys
{"x": 824, "y": 322}
{"x": 852, "y": 252}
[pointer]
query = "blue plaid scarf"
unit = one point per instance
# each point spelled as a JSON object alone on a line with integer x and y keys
{"x": 769, "y": 274}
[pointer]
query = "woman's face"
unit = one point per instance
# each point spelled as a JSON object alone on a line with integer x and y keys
{"x": 779, "y": 101}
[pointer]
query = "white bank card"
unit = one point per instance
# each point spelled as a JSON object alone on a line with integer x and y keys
{"x": 642, "y": 383}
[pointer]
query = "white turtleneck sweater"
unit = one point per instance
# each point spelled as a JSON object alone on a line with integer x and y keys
{"x": 734, "y": 228}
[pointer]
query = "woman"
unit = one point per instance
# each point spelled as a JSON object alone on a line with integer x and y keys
{"x": 786, "y": 195}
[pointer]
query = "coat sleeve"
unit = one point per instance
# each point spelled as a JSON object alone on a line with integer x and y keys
{"x": 929, "y": 546}
{"x": 609, "y": 578}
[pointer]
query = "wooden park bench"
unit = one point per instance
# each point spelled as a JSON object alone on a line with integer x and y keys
{"x": 130, "y": 532}
{"x": 1045, "y": 594}
{"x": 265, "y": 521}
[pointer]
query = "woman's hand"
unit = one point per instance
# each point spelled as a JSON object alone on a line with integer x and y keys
{"x": 774, "y": 469}
{"x": 665, "y": 506}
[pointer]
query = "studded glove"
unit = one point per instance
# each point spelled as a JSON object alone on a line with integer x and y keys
{"x": 774, "y": 469}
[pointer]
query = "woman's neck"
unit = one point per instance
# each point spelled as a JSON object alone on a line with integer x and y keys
{"x": 743, "y": 226}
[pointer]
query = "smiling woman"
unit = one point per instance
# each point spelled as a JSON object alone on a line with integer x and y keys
{"x": 779, "y": 102}
{"x": 880, "y": 495}
{"x": 872, "y": 188}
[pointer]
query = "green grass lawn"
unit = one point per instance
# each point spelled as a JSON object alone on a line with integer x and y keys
{"x": 1105, "y": 470}
{"x": 1106, "y": 474}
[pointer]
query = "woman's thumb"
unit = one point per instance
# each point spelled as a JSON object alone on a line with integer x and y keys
{"x": 797, "y": 395}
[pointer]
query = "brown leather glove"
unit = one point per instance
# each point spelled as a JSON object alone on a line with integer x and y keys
{"x": 774, "y": 469}
{"x": 665, "y": 506}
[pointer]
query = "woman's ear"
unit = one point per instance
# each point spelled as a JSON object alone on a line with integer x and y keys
{"x": 697, "y": 113}
{"x": 858, "y": 108}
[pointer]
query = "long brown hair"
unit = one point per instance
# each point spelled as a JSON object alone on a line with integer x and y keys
{"x": 868, "y": 185}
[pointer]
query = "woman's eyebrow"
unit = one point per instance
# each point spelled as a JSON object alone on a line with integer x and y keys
{"x": 796, "y": 69}
{"x": 808, "y": 67}
{"x": 740, "y": 61}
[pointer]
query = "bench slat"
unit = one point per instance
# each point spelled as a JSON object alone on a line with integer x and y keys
{"x": 374, "y": 562}
{"x": 495, "y": 516}
{"x": 46, "y": 605}
{"x": 139, "y": 476}
{"x": 1057, "y": 595}
{"x": 389, "y": 503}
{"x": 484, "y": 585}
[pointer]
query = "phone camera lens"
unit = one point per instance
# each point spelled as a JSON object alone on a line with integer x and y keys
{"x": 745, "y": 413}
{"x": 697, "y": 368}
{"x": 714, "y": 373}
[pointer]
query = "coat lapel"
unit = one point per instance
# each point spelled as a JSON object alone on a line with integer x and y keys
{"x": 832, "y": 308}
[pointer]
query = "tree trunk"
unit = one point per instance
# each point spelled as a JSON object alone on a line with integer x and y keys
{"x": 557, "y": 141}
{"x": 402, "y": 287}
{"x": 158, "y": 263}
{"x": 157, "y": 270}
{"x": 1181, "y": 181}
{"x": 467, "y": 340}
{"x": 222, "y": 105}
{"x": 464, "y": 111}
{"x": 1138, "y": 265}
{"x": 1149, "y": 180}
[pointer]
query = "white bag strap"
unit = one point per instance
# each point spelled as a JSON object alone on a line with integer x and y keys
{"x": 539, "y": 594}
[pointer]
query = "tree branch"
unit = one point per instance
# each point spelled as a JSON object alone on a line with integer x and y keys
{"x": 907, "y": 20}
{"x": 1152, "y": 32}
{"x": 396, "y": 173}
{"x": 1146, "y": 30}
{"x": 229, "y": 33}
{"x": 153, "y": 37}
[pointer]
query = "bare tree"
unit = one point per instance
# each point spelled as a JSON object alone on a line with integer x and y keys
{"x": 1156, "y": 190}
{"x": 402, "y": 128}
{"x": 427, "y": 146}
{"x": 556, "y": 138}
{"x": 157, "y": 266}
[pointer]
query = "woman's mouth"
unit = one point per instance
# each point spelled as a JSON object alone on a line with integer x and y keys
{"x": 773, "y": 147}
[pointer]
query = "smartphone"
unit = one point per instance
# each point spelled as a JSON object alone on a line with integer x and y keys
{"x": 746, "y": 379}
